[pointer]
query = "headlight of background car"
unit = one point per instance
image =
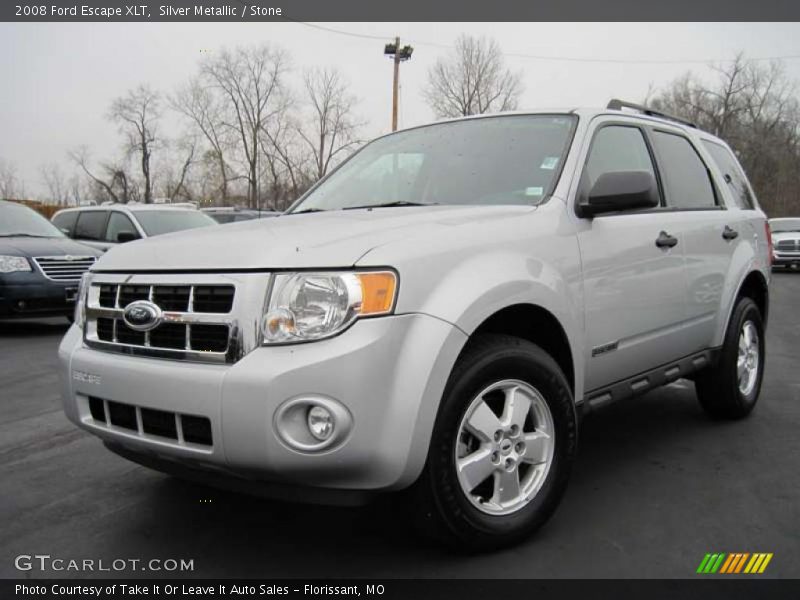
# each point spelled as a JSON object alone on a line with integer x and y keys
{"x": 12, "y": 264}
{"x": 80, "y": 299}
{"x": 312, "y": 306}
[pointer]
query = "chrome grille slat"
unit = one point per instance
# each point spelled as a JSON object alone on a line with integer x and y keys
{"x": 59, "y": 268}
{"x": 212, "y": 341}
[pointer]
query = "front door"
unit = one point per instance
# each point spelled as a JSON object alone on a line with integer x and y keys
{"x": 633, "y": 270}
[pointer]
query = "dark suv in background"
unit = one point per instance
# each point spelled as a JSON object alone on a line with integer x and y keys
{"x": 40, "y": 267}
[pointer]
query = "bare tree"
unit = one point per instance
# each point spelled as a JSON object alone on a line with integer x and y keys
{"x": 251, "y": 81}
{"x": 137, "y": 114}
{"x": 115, "y": 186}
{"x": 755, "y": 108}
{"x": 203, "y": 108}
{"x": 332, "y": 127}
{"x": 175, "y": 172}
{"x": 472, "y": 80}
{"x": 9, "y": 187}
{"x": 56, "y": 182}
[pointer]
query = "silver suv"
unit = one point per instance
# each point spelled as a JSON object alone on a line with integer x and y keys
{"x": 434, "y": 316}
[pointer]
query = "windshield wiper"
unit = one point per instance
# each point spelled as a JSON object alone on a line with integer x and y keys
{"x": 390, "y": 204}
{"x": 306, "y": 210}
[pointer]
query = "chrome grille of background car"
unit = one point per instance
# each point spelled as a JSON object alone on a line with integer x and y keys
{"x": 788, "y": 245}
{"x": 64, "y": 268}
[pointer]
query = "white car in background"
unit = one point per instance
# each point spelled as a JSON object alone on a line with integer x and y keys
{"x": 105, "y": 226}
{"x": 785, "y": 242}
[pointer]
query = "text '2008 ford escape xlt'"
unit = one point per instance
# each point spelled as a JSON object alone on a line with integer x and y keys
{"x": 435, "y": 315}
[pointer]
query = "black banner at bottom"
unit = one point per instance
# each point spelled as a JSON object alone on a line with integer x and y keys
{"x": 461, "y": 589}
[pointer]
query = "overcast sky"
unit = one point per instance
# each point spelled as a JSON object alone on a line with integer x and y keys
{"x": 57, "y": 80}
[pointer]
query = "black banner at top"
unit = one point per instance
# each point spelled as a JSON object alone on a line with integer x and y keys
{"x": 398, "y": 10}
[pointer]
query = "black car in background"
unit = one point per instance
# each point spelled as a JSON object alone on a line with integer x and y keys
{"x": 40, "y": 267}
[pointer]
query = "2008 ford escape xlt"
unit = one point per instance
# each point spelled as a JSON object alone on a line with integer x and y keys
{"x": 434, "y": 315}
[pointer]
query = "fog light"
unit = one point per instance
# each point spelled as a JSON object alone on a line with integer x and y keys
{"x": 320, "y": 422}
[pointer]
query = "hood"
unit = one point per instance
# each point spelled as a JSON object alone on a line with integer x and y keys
{"x": 32, "y": 246}
{"x": 314, "y": 240}
{"x": 785, "y": 235}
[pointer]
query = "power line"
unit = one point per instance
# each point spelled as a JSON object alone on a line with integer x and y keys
{"x": 574, "y": 59}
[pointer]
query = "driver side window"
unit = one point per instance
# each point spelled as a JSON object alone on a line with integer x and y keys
{"x": 617, "y": 148}
{"x": 119, "y": 223}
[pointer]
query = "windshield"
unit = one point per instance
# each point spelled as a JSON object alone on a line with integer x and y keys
{"x": 156, "y": 222}
{"x": 512, "y": 159}
{"x": 19, "y": 220}
{"x": 779, "y": 225}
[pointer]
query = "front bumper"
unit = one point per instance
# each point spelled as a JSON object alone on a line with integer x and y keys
{"x": 786, "y": 259}
{"x": 28, "y": 295}
{"x": 388, "y": 372}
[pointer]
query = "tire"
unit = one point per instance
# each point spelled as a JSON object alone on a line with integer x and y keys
{"x": 492, "y": 369}
{"x": 720, "y": 390}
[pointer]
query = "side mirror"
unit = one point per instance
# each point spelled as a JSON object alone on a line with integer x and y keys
{"x": 126, "y": 236}
{"x": 65, "y": 231}
{"x": 620, "y": 190}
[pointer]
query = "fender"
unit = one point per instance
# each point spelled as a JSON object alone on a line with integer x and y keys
{"x": 744, "y": 262}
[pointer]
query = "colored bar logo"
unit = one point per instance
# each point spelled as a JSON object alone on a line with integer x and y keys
{"x": 735, "y": 562}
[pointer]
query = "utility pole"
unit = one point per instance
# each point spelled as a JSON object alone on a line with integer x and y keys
{"x": 398, "y": 55}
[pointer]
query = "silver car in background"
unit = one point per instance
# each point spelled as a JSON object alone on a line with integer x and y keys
{"x": 785, "y": 242}
{"x": 104, "y": 226}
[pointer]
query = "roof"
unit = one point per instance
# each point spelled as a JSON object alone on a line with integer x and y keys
{"x": 585, "y": 112}
{"x": 133, "y": 207}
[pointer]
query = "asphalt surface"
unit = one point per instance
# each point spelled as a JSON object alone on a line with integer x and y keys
{"x": 656, "y": 486}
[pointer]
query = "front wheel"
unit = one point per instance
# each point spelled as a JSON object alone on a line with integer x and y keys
{"x": 502, "y": 447}
{"x": 730, "y": 389}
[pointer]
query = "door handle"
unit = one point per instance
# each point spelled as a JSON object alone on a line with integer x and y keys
{"x": 729, "y": 234}
{"x": 665, "y": 240}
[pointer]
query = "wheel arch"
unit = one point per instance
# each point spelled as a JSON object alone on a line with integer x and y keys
{"x": 754, "y": 285}
{"x": 537, "y": 325}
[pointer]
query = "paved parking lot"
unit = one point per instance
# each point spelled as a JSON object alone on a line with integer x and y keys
{"x": 656, "y": 486}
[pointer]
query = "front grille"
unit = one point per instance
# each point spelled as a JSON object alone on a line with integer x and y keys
{"x": 214, "y": 299}
{"x": 64, "y": 268}
{"x": 194, "y": 321}
{"x": 788, "y": 245}
{"x": 146, "y": 422}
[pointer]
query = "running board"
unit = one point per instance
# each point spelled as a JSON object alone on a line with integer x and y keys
{"x": 649, "y": 380}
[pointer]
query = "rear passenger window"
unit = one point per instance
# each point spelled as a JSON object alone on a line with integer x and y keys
{"x": 734, "y": 176}
{"x": 687, "y": 183}
{"x": 91, "y": 225}
{"x": 617, "y": 148}
{"x": 66, "y": 222}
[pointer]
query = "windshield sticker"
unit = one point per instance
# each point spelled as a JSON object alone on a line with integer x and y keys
{"x": 549, "y": 163}
{"x": 534, "y": 191}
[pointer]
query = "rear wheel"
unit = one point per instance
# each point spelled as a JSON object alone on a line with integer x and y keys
{"x": 502, "y": 446}
{"x": 730, "y": 389}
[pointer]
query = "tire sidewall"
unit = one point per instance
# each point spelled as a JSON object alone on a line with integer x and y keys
{"x": 747, "y": 310}
{"x": 522, "y": 361}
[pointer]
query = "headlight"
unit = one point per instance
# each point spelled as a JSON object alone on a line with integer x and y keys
{"x": 12, "y": 264}
{"x": 313, "y": 306}
{"x": 80, "y": 300}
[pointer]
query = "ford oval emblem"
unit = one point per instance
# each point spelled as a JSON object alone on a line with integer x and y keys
{"x": 142, "y": 315}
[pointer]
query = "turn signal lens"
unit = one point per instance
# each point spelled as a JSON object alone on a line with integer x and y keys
{"x": 377, "y": 292}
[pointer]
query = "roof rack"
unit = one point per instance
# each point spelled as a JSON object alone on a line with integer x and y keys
{"x": 616, "y": 104}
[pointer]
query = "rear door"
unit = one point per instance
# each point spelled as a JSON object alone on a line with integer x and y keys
{"x": 634, "y": 289}
{"x": 708, "y": 232}
{"x": 90, "y": 229}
